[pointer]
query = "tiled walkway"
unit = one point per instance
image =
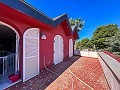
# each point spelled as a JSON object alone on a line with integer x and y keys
{"x": 43, "y": 80}
{"x": 83, "y": 74}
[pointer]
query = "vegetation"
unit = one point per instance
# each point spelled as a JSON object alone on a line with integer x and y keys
{"x": 83, "y": 44}
{"x": 102, "y": 33}
{"x": 113, "y": 43}
{"x": 78, "y": 22}
{"x": 105, "y": 37}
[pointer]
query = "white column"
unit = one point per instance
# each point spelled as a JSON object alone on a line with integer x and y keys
{"x": 17, "y": 58}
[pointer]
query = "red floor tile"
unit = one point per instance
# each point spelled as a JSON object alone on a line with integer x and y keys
{"x": 84, "y": 74}
{"x": 76, "y": 73}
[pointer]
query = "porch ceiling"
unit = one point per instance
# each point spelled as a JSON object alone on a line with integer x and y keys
{"x": 6, "y": 32}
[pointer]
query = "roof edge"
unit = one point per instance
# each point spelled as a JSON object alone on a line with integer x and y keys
{"x": 23, "y": 7}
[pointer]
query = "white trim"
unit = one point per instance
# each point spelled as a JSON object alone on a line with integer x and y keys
{"x": 17, "y": 44}
{"x": 59, "y": 47}
{"x": 71, "y": 41}
{"x": 29, "y": 78}
{"x": 57, "y": 35}
{"x": 38, "y": 52}
{"x": 10, "y": 85}
{"x": 17, "y": 56}
{"x": 10, "y": 27}
{"x": 24, "y": 57}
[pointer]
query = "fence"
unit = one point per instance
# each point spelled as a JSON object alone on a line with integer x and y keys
{"x": 7, "y": 61}
{"x": 88, "y": 54}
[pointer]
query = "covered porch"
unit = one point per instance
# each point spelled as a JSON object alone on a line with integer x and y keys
{"x": 8, "y": 52}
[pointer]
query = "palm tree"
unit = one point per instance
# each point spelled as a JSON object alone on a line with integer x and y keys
{"x": 78, "y": 22}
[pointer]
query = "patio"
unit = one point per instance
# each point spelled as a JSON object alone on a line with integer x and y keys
{"x": 76, "y": 73}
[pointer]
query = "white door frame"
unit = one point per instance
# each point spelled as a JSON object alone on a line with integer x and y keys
{"x": 58, "y": 47}
{"x": 24, "y": 58}
{"x": 17, "y": 45}
{"x": 70, "y": 41}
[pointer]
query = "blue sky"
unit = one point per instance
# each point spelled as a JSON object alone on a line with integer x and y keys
{"x": 94, "y": 12}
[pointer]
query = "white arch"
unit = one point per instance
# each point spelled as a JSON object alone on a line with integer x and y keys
{"x": 17, "y": 44}
{"x": 70, "y": 47}
{"x": 5, "y": 24}
{"x": 58, "y": 49}
{"x": 58, "y": 36}
{"x": 30, "y": 34}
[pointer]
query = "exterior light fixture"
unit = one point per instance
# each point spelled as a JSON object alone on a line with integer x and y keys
{"x": 43, "y": 36}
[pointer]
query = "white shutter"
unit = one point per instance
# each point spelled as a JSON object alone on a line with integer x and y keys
{"x": 70, "y": 48}
{"x": 58, "y": 49}
{"x": 30, "y": 53}
{"x": 61, "y": 49}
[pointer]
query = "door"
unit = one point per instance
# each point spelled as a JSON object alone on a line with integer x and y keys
{"x": 30, "y": 53}
{"x": 58, "y": 49}
{"x": 70, "y": 48}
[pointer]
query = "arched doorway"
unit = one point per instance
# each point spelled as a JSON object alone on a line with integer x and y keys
{"x": 31, "y": 53}
{"x": 70, "y": 48}
{"x": 58, "y": 49}
{"x": 9, "y": 49}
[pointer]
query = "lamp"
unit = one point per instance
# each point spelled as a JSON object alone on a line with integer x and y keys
{"x": 43, "y": 36}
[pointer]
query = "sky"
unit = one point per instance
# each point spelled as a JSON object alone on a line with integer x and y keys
{"x": 95, "y": 13}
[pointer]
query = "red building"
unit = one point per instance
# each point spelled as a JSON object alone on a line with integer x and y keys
{"x": 30, "y": 40}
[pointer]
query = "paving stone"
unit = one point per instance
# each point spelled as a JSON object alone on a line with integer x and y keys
{"x": 85, "y": 71}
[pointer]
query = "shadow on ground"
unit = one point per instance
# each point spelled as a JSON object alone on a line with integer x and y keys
{"x": 45, "y": 78}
